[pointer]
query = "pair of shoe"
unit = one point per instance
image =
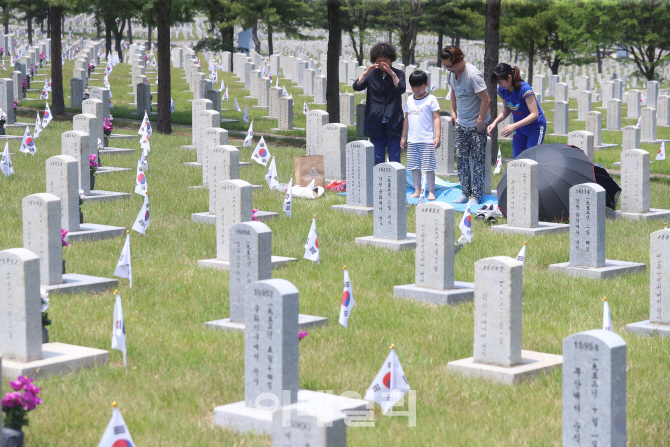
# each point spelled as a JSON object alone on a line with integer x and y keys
{"x": 488, "y": 213}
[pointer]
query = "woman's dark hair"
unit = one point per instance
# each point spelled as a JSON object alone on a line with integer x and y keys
{"x": 452, "y": 53}
{"x": 418, "y": 78}
{"x": 504, "y": 71}
{"x": 383, "y": 49}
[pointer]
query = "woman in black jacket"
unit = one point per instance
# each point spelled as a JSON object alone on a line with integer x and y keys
{"x": 383, "y": 104}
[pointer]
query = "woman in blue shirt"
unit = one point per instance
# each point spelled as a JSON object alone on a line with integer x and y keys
{"x": 530, "y": 124}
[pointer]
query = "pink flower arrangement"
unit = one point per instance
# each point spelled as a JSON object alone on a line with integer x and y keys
{"x": 42, "y": 56}
{"x": 16, "y": 104}
{"x": 302, "y": 335}
{"x": 93, "y": 163}
{"x": 2, "y": 50}
{"x": 253, "y": 215}
{"x": 107, "y": 127}
{"x": 17, "y": 404}
{"x": 63, "y": 235}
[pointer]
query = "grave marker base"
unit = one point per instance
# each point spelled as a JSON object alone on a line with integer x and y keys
{"x": 542, "y": 228}
{"x": 276, "y": 129}
{"x": 653, "y": 214}
{"x": 242, "y": 419}
{"x": 105, "y": 196}
{"x": 389, "y": 244}
{"x": 611, "y": 269}
{"x": 532, "y": 364}
{"x": 656, "y": 141}
{"x": 358, "y": 210}
{"x": 228, "y": 120}
{"x": 462, "y": 291}
{"x": 304, "y": 322}
{"x": 122, "y": 135}
{"x": 76, "y": 283}
{"x": 193, "y": 164}
{"x": 109, "y": 151}
{"x": 58, "y": 359}
{"x": 448, "y": 176}
{"x": 110, "y": 169}
{"x": 277, "y": 261}
{"x": 648, "y": 328}
{"x": 604, "y": 146}
{"x": 89, "y": 231}
{"x": 207, "y": 218}
{"x": 190, "y": 147}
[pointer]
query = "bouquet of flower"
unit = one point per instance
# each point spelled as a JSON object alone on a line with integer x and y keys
{"x": 3, "y": 118}
{"x": 42, "y": 56}
{"x": 87, "y": 94}
{"x": 146, "y": 57}
{"x": 24, "y": 85}
{"x": 16, "y": 104}
{"x": 151, "y": 97}
{"x": 2, "y": 50}
{"x": 92, "y": 160}
{"x": 32, "y": 68}
{"x": 44, "y": 295}
{"x": 63, "y": 235}
{"x": 90, "y": 67}
{"x": 107, "y": 127}
{"x": 16, "y": 405}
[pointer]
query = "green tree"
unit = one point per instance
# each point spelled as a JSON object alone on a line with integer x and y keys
{"x": 356, "y": 17}
{"x": 641, "y": 29}
{"x": 520, "y": 29}
{"x": 403, "y": 17}
{"x": 223, "y": 16}
{"x": 167, "y": 13}
{"x": 32, "y": 9}
{"x": 454, "y": 18}
{"x": 589, "y": 29}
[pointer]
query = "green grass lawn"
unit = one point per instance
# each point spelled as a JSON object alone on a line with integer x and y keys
{"x": 178, "y": 371}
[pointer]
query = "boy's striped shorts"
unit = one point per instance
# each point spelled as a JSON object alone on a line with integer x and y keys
{"x": 421, "y": 156}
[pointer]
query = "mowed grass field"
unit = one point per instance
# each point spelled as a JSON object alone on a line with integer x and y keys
{"x": 178, "y": 370}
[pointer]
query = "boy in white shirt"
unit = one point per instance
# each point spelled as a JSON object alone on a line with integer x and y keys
{"x": 422, "y": 119}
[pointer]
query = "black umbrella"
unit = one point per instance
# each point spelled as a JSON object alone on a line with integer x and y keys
{"x": 612, "y": 188}
{"x": 561, "y": 167}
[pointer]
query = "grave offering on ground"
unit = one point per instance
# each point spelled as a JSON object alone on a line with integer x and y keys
{"x": 587, "y": 237}
{"x": 497, "y": 352}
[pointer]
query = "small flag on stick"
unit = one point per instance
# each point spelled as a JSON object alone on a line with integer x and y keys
{"x": 119, "y": 329}
{"x": 607, "y": 318}
{"x": 312, "y": 251}
{"x": 116, "y": 434}
{"x": 390, "y": 385}
{"x": 347, "y": 299}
